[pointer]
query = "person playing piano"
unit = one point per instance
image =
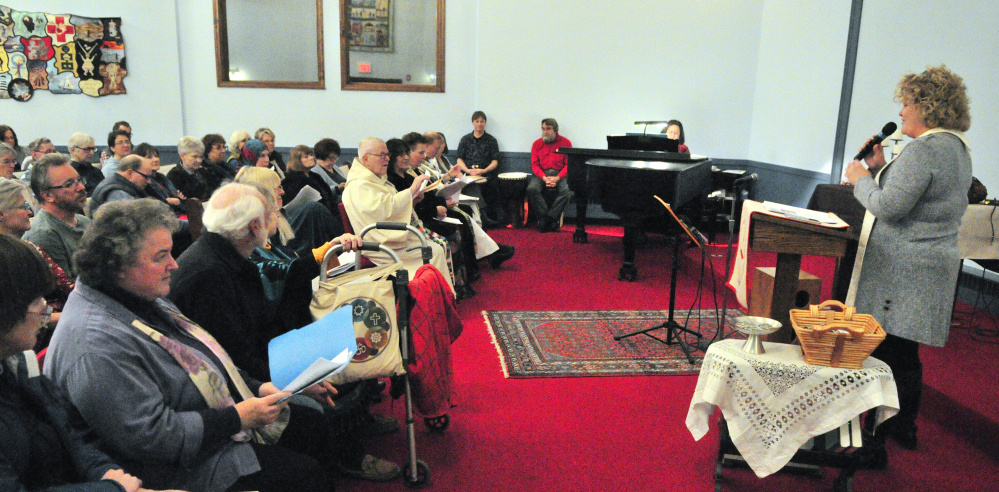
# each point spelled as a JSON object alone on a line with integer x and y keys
{"x": 548, "y": 183}
{"x": 674, "y": 130}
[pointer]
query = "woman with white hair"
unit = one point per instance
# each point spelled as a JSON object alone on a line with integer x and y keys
{"x": 81, "y": 150}
{"x": 15, "y": 219}
{"x": 187, "y": 176}
{"x": 8, "y": 161}
{"x": 309, "y": 225}
{"x": 236, "y": 141}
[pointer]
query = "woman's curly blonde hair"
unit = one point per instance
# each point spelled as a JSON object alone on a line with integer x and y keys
{"x": 941, "y": 96}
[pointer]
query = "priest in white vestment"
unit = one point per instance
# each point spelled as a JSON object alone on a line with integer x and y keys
{"x": 369, "y": 198}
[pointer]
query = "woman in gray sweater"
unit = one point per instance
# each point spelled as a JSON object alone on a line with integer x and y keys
{"x": 915, "y": 204}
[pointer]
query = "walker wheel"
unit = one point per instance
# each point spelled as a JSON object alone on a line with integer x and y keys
{"x": 422, "y": 476}
{"x": 438, "y": 424}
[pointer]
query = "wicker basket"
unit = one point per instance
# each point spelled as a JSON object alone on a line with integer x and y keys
{"x": 836, "y": 337}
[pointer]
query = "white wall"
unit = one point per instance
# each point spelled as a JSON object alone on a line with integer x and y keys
{"x": 598, "y": 67}
{"x": 153, "y": 101}
{"x": 305, "y": 116}
{"x": 904, "y": 36}
{"x": 799, "y": 76}
{"x": 750, "y": 79}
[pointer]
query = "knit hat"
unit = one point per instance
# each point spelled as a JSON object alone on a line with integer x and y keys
{"x": 252, "y": 150}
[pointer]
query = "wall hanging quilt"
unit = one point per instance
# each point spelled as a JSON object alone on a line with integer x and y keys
{"x": 60, "y": 53}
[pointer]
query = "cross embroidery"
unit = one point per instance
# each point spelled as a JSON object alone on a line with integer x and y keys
{"x": 60, "y": 30}
{"x": 374, "y": 318}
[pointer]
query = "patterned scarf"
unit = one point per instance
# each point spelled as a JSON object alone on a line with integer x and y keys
{"x": 206, "y": 378}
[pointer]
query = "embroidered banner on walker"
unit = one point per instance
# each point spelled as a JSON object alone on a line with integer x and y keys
{"x": 60, "y": 53}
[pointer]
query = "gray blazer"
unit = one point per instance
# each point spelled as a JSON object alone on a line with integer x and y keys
{"x": 136, "y": 398}
{"x": 912, "y": 261}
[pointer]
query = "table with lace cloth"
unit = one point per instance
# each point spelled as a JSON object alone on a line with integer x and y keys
{"x": 775, "y": 402}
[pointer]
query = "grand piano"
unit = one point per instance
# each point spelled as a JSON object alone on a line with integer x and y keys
{"x": 625, "y": 181}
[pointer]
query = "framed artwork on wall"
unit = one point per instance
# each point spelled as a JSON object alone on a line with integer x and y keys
{"x": 371, "y": 25}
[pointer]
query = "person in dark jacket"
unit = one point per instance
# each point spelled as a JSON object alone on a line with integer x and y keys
{"x": 187, "y": 175}
{"x": 41, "y": 450}
{"x": 129, "y": 183}
{"x": 81, "y": 149}
{"x": 213, "y": 166}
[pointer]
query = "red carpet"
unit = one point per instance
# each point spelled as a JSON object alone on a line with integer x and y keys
{"x": 627, "y": 433}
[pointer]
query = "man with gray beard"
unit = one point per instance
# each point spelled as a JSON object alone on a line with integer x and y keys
{"x": 548, "y": 184}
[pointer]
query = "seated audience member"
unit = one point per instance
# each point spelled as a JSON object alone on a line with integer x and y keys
{"x": 478, "y": 155}
{"x": 310, "y": 225}
{"x": 120, "y": 145}
{"x": 548, "y": 183}
{"x": 8, "y": 162}
{"x": 674, "y": 130}
{"x": 255, "y": 154}
{"x": 236, "y": 142}
{"x": 128, "y": 183}
{"x": 60, "y": 223}
{"x": 327, "y": 152}
{"x": 160, "y": 187}
{"x": 39, "y": 147}
{"x": 369, "y": 198}
{"x": 266, "y": 136}
{"x": 300, "y": 175}
{"x": 118, "y": 125}
{"x": 81, "y": 149}
{"x": 427, "y": 211}
{"x": 42, "y": 451}
{"x": 479, "y": 245}
{"x": 159, "y": 392}
{"x": 9, "y": 137}
{"x": 435, "y": 154}
{"x": 187, "y": 176}
{"x": 213, "y": 166}
{"x": 15, "y": 220}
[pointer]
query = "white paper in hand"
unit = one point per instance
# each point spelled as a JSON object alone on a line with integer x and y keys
{"x": 304, "y": 197}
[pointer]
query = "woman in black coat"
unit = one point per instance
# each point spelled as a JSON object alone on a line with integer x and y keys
{"x": 40, "y": 448}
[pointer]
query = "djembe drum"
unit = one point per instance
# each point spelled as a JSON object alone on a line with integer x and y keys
{"x": 513, "y": 188}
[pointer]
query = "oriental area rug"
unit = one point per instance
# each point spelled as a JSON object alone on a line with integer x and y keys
{"x": 545, "y": 344}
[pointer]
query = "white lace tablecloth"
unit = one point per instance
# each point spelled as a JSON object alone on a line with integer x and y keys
{"x": 775, "y": 402}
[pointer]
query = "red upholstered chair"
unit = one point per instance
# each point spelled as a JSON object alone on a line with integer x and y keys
{"x": 365, "y": 263}
{"x": 343, "y": 218}
{"x": 41, "y": 357}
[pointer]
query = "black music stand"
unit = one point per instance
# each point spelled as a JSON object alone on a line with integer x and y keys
{"x": 673, "y": 329}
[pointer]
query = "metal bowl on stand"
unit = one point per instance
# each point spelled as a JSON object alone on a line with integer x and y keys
{"x": 754, "y": 327}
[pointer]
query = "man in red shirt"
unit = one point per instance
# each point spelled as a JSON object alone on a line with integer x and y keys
{"x": 548, "y": 184}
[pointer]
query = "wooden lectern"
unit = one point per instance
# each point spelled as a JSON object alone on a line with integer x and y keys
{"x": 790, "y": 239}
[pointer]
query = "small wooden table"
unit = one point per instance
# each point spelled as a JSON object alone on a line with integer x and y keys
{"x": 774, "y": 403}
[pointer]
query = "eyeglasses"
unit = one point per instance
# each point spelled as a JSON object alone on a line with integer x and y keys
{"x": 383, "y": 155}
{"x": 144, "y": 175}
{"x": 45, "y": 314}
{"x": 68, "y": 184}
{"x": 23, "y": 206}
{"x": 8, "y": 162}
{"x": 87, "y": 149}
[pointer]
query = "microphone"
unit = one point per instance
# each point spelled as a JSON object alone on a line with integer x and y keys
{"x": 885, "y": 132}
{"x": 746, "y": 178}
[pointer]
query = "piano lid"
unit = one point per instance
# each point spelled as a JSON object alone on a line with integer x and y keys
{"x": 649, "y": 165}
{"x": 631, "y": 155}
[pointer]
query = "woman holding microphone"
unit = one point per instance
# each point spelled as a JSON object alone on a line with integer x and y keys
{"x": 906, "y": 271}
